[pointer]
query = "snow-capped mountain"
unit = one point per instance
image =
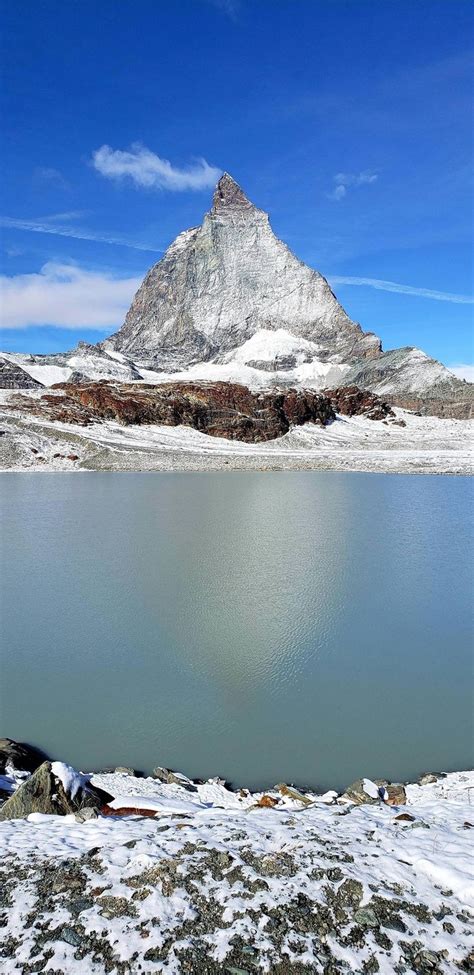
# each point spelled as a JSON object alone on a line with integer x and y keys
{"x": 230, "y": 302}
{"x": 220, "y": 284}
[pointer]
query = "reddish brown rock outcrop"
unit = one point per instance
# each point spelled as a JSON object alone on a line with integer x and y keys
{"x": 352, "y": 401}
{"x": 219, "y": 409}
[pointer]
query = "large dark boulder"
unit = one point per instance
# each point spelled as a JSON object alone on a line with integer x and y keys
{"x": 19, "y": 755}
{"x": 52, "y": 792}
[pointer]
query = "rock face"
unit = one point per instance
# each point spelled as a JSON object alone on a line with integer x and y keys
{"x": 409, "y": 378}
{"x": 12, "y": 376}
{"x": 44, "y": 792}
{"x": 218, "y": 409}
{"x": 220, "y": 283}
{"x": 18, "y": 755}
{"x": 352, "y": 401}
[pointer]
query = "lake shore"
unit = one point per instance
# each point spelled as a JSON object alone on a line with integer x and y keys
{"x": 418, "y": 445}
{"x": 181, "y": 876}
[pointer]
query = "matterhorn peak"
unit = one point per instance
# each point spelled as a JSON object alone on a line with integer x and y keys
{"x": 228, "y": 193}
{"x": 220, "y": 284}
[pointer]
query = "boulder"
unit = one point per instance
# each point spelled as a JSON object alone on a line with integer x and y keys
{"x": 20, "y": 756}
{"x": 53, "y": 789}
{"x": 266, "y": 802}
{"x": 291, "y": 793}
{"x": 168, "y": 777}
{"x": 429, "y": 778}
{"x": 364, "y": 791}
{"x": 395, "y": 794}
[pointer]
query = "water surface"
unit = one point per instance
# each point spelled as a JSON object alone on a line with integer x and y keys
{"x": 307, "y": 627}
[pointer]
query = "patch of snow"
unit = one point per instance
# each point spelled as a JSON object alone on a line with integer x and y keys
{"x": 72, "y": 781}
{"x": 371, "y": 789}
{"x": 271, "y": 858}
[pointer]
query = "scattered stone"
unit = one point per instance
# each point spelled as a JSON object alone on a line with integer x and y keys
{"x": 86, "y": 814}
{"x": 395, "y": 794}
{"x": 116, "y": 907}
{"x": 124, "y": 770}
{"x": 107, "y": 810}
{"x": 70, "y": 936}
{"x": 169, "y": 777}
{"x": 266, "y": 802}
{"x": 363, "y": 791}
{"x": 429, "y": 778}
{"x": 286, "y": 790}
{"x": 349, "y": 894}
{"x": 405, "y": 818}
{"x": 366, "y": 918}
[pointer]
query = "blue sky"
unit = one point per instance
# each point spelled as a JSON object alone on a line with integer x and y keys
{"x": 347, "y": 120}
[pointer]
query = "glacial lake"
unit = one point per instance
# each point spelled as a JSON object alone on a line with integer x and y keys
{"x": 301, "y": 627}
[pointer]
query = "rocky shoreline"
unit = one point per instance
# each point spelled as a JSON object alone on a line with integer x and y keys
{"x": 116, "y": 873}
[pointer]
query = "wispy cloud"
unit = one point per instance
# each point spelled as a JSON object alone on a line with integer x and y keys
{"x": 465, "y": 371}
{"x": 65, "y": 296}
{"x": 403, "y": 289}
{"x": 50, "y": 175}
{"x": 66, "y": 216}
{"x": 43, "y": 227}
{"x": 149, "y": 171}
{"x": 344, "y": 181}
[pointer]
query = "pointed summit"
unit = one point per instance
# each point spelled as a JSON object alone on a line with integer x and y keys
{"x": 228, "y": 193}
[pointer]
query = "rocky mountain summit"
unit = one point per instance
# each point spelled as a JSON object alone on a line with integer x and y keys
{"x": 230, "y": 303}
{"x": 221, "y": 283}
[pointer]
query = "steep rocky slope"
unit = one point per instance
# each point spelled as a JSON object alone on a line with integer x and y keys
{"x": 220, "y": 283}
{"x": 12, "y": 376}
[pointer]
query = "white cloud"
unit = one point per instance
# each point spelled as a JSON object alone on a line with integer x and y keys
{"x": 338, "y": 193}
{"x": 148, "y": 170}
{"x": 66, "y": 216}
{"x": 65, "y": 296}
{"x": 403, "y": 289}
{"x": 463, "y": 372}
{"x": 345, "y": 180}
{"x": 42, "y": 227}
{"x": 356, "y": 179}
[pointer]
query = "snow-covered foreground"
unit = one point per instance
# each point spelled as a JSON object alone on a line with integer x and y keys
{"x": 214, "y": 883}
{"x": 423, "y": 444}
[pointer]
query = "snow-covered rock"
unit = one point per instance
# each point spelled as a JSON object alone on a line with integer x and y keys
{"x": 221, "y": 283}
{"x": 86, "y": 360}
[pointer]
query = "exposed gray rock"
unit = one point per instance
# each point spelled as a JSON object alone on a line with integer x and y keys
{"x": 357, "y": 793}
{"x": 43, "y": 792}
{"x": 221, "y": 282}
{"x": 173, "y": 778}
{"x": 12, "y": 376}
{"x": 409, "y": 378}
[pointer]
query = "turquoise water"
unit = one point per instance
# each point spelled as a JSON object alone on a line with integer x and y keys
{"x": 307, "y": 627}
